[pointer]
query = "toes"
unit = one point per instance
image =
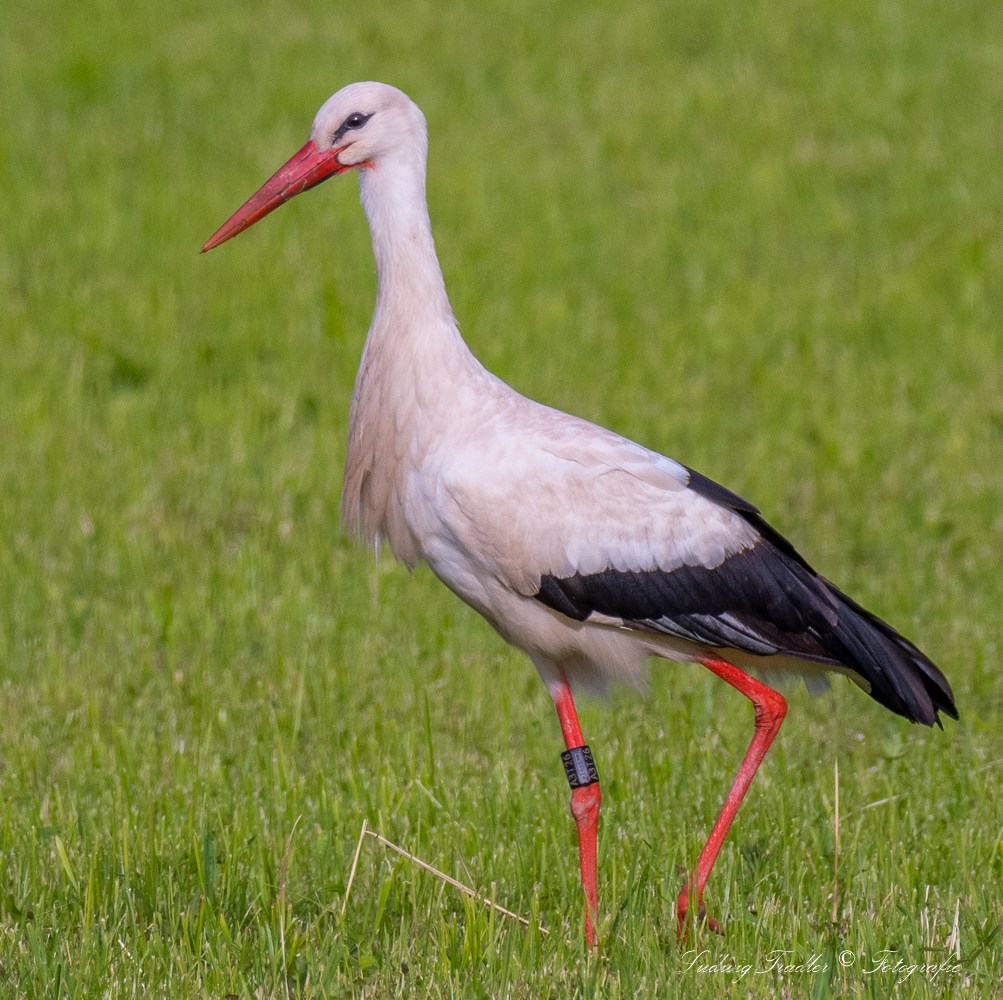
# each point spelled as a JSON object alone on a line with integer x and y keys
{"x": 710, "y": 921}
{"x": 682, "y": 908}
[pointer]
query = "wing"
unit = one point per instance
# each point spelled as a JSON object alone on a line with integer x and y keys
{"x": 596, "y": 527}
{"x": 544, "y": 493}
{"x": 764, "y": 600}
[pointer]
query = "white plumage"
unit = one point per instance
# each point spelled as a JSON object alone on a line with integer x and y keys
{"x": 585, "y": 550}
{"x": 452, "y": 467}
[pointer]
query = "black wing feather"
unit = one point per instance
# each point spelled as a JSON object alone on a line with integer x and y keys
{"x": 765, "y": 600}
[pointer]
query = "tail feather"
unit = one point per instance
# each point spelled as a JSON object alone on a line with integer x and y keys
{"x": 902, "y": 677}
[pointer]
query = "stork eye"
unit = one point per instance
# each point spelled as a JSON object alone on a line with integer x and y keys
{"x": 356, "y": 120}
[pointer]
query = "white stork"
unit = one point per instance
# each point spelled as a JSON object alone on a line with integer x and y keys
{"x": 588, "y": 552}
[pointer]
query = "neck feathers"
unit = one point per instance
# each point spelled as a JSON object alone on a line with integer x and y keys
{"x": 409, "y": 279}
{"x": 413, "y": 357}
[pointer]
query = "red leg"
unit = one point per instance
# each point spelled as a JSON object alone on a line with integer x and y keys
{"x": 585, "y": 802}
{"x": 770, "y": 711}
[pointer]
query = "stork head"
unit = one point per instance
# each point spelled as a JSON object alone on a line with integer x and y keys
{"x": 363, "y": 126}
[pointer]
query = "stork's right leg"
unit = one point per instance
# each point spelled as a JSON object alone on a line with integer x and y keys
{"x": 770, "y": 711}
{"x": 585, "y": 797}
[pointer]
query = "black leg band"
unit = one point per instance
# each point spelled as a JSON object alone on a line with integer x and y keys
{"x": 580, "y": 767}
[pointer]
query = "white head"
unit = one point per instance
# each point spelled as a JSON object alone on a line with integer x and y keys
{"x": 365, "y": 124}
{"x": 372, "y": 127}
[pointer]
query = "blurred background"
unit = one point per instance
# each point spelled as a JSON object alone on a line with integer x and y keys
{"x": 761, "y": 238}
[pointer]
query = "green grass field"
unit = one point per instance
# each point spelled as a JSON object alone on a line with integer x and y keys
{"x": 763, "y": 238}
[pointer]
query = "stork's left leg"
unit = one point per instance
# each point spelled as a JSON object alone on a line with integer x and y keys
{"x": 770, "y": 711}
{"x": 585, "y": 797}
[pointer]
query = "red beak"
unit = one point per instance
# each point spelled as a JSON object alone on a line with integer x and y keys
{"x": 305, "y": 170}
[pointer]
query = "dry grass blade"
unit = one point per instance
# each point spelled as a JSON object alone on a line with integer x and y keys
{"x": 835, "y": 856}
{"x": 490, "y": 904}
{"x": 880, "y": 802}
{"x": 953, "y": 942}
{"x": 355, "y": 864}
{"x": 285, "y": 863}
{"x": 282, "y": 897}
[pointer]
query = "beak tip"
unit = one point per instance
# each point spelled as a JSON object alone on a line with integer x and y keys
{"x": 215, "y": 240}
{"x": 305, "y": 170}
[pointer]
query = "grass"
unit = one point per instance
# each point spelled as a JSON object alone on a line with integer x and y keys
{"x": 762, "y": 238}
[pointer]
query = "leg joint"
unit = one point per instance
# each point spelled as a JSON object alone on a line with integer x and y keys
{"x": 771, "y": 708}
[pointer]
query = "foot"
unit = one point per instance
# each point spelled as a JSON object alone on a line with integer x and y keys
{"x": 682, "y": 908}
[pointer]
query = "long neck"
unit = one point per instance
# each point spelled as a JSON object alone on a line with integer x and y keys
{"x": 414, "y": 362}
{"x": 411, "y": 295}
